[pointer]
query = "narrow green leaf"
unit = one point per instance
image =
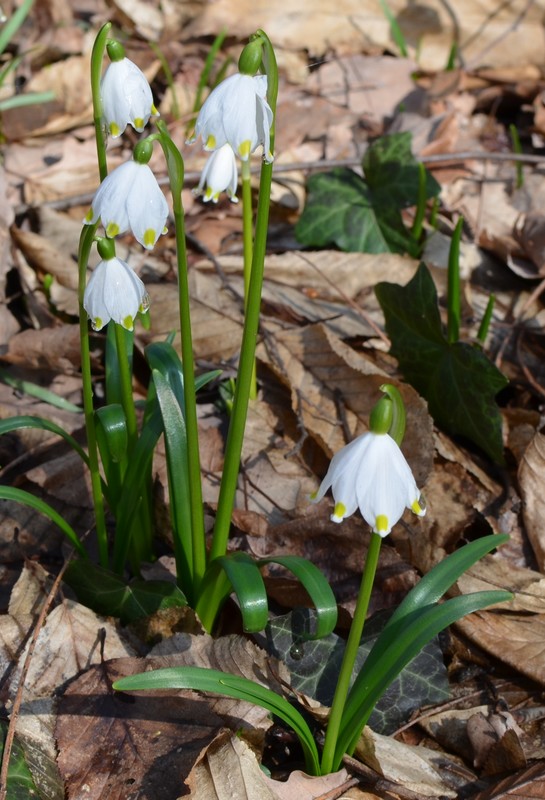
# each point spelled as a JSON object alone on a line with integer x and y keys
{"x": 10, "y": 28}
{"x": 247, "y": 582}
{"x": 178, "y": 480}
{"x": 28, "y": 499}
{"x": 319, "y": 590}
{"x": 34, "y": 390}
{"x": 431, "y": 588}
{"x": 112, "y": 421}
{"x": 211, "y": 680}
{"x": 458, "y": 380}
{"x": 372, "y": 682}
{"x": 17, "y": 423}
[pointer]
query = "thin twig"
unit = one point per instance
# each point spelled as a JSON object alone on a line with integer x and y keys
{"x": 10, "y": 735}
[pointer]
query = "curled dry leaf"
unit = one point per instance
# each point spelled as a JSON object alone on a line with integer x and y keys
{"x": 227, "y": 769}
{"x": 531, "y": 476}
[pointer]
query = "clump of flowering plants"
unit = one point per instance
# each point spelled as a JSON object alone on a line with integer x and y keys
{"x": 371, "y": 474}
{"x": 235, "y": 120}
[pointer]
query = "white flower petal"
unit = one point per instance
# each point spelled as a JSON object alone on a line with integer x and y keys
{"x": 114, "y": 292}
{"x": 371, "y": 473}
{"x": 147, "y": 207}
{"x": 219, "y": 174}
{"x": 126, "y": 97}
{"x": 130, "y": 198}
{"x": 237, "y": 112}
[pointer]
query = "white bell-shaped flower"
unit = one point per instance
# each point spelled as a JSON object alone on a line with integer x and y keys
{"x": 220, "y": 174}
{"x": 237, "y": 112}
{"x": 130, "y": 198}
{"x": 114, "y": 292}
{"x": 126, "y": 97}
{"x": 372, "y": 474}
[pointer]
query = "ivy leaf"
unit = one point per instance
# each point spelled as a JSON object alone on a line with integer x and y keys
{"x": 458, "y": 380}
{"x": 365, "y": 215}
{"x": 314, "y": 668}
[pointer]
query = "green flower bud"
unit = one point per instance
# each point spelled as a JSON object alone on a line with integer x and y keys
{"x": 116, "y": 51}
{"x": 106, "y": 248}
{"x": 250, "y": 58}
{"x": 143, "y": 151}
{"x": 381, "y": 416}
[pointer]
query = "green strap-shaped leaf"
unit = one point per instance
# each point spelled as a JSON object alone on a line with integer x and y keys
{"x": 319, "y": 590}
{"x": 211, "y": 680}
{"x": 28, "y": 499}
{"x": 113, "y": 425}
{"x": 17, "y": 423}
{"x": 431, "y": 588}
{"x": 248, "y": 585}
{"x": 372, "y": 683}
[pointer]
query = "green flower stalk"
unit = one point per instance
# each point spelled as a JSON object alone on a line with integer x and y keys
{"x": 370, "y": 473}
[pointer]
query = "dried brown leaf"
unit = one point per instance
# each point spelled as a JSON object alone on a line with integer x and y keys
{"x": 531, "y": 475}
{"x": 115, "y": 746}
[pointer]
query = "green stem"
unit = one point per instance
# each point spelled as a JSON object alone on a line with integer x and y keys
{"x": 421, "y": 203}
{"x": 175, "y": 167}
{"x": 486, "y": 320}
{"x": 85, "y": 243}
{"x": 350, "y": 653}
{"x": 453, "y": 287}
{"x": 248, "y": 240}
{"x": 235, "y": 437}
{"x": 125, "y": 380}
{"x": 97, "y": 57}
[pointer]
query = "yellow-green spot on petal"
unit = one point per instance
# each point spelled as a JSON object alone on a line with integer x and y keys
{"x": 115, "y": 130}
{"x": 139, "y": 123}
{"x": 381, "y": 524}
{"x": 128, "y": 323}
{"x": 112, "y": 229}
{"x": 97, "y": 324}
{"x": 149, "y": 237}
{"x": 210, "y": 142}
{"x": 89, "y": 216}
{"x": 154, "y": 111}
{"x": 208, "y": 193}
{"x": 339, "y": 512}
{"x": 419, "y": 507}
{"x": 244, "y": 149}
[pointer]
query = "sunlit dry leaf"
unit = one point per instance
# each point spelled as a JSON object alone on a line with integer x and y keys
{"x": 69, "y": 81}
{"x": 227, "y": 769}
{"x": 494, "y": 572}
{"x": 322, "y": 371}
{"x": 531, "y": 476}
{"x": 300, "y": 786}
{"x": 69, "y": 642}
{"x": 52, "y": 348}
{"x": 144, "y": 18}
{"x": 418, "y": 769}
{"x": 353, "y": 26}
{"x": 525, "y": 634}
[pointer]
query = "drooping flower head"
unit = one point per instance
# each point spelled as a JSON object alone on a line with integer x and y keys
{"x": 237, "y": 112}
{"x": 114, "y": 292}
{"x": 372, "y": 474}
{"x": 125, "y": 94}
{"x": 130, "y": 198}
{"x": 219, "y": 174}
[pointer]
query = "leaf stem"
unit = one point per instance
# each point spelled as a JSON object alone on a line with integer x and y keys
{"x": 453, "y": 285}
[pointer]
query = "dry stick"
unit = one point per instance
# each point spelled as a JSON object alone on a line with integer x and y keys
{"x": 322, "y": 164}
{"x": 8, "y": 743}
